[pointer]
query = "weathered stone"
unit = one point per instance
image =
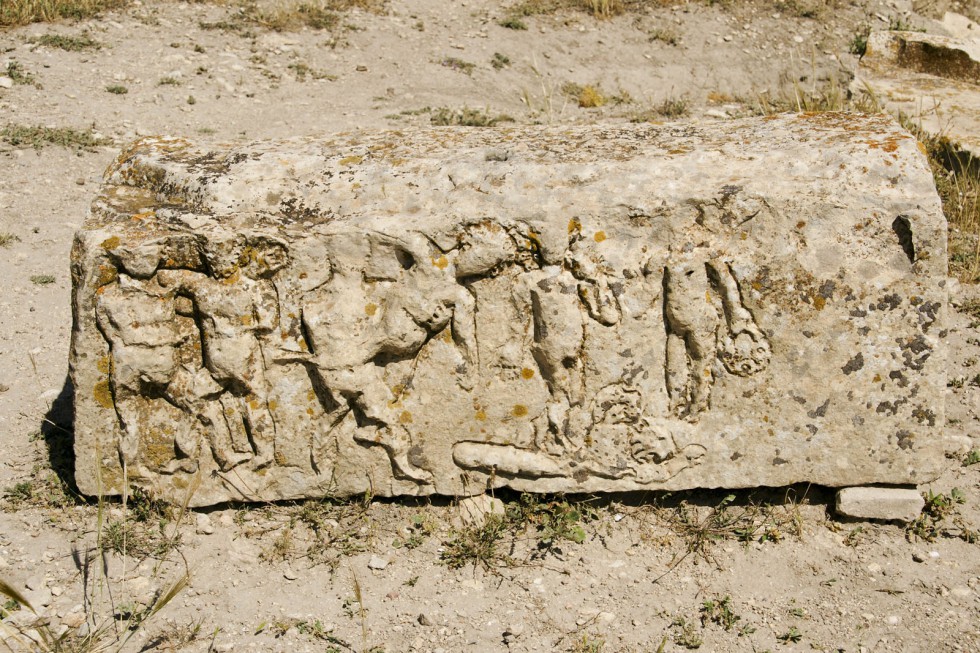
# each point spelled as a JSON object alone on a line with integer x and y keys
{"x": 759, "y": 302}
{"x": 879, "y": 503}
{"x": 933, "y": 80}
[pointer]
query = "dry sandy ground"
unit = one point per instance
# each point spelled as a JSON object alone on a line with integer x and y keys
{"x": 813, "y": 582}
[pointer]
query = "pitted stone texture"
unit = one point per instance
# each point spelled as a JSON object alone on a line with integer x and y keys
{"x": 758, "y": 302}
{"x": 880, "y": 503}
{"x": 933, "y": 80}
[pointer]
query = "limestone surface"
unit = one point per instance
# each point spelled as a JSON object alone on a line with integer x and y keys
{"x": 902, "y": 504}
{"x": 756, "y": 302}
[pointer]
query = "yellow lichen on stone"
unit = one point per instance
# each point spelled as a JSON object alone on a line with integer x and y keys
{"x": 442, "y": 262}
{"x": 110, "y": 243}
{"x": 405, "y": 417}
{"x": 351, "y": 160}
{"x": 600, "y": 236}
{"x": 527, "y": 373}
{"x": 107, "y": 274}
{"x": 102, "y": 394}
{"x": 371, "y": 309}
{"x": 520, "y": 410}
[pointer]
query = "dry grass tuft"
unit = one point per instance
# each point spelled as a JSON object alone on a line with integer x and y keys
{"x": 588, "y": 96}
{"x": 38, "y": 137}
{"x": 290, "y": 15}
{"x": 957, "y": 177}
{"x": 466, "y": 117}
{"x": 24, "y": 12}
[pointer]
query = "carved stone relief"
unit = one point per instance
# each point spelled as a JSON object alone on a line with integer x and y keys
{"x": 343, "y": 325}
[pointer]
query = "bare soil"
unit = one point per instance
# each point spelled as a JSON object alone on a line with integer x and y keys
{"x": 627, "y": 573}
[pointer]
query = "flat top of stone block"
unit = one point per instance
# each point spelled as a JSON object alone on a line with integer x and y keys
{"x": 353, "y": 177}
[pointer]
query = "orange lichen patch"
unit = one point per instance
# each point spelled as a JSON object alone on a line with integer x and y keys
{"x": 371, "y": 309}
{"x": 481, "y": 415}
{"x": 311, "y": 395}
{"x": 273, "y": 404}
{"x": 877, "y": 379}
{"x": 599, "y": 236}
{"x": 253, "y": 403}
{"x": 889, "y": 144}
{"x": 310, "y": 412}
{"x": 143, "y": 215}
{"x": 352, "y": 160}
{"x": 104, "y": 364}
{"x": 574, "y": 226}
{"x": 527, "y": 373}
{"x": 405, "y": 417}
{"x": 819, "y": 302}
{"x": 520, "y": 410}
{"x": 102, "y": 394}
{"x": 110, "y": 243}
{"x": 442, "y": 262}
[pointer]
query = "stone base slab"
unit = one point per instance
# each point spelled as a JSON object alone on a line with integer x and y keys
{"x": 901, "y": 504}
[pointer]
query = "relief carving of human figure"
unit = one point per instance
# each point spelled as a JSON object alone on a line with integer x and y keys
{"x": 562, "y": 299}
{"x": 141, "y": 329}
{"x": 697, "y": 276}
{"x": 367, "y": 315}
{"x": 234, "y": 306}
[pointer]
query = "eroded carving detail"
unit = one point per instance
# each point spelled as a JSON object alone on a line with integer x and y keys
{"x": 698, "y": 333}
{"x": 361, "y": 323}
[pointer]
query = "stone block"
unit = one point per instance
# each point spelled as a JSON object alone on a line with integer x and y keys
{"x": 442, "y": 311}
{"x": 933, "y": 80}
{"x": 880, "y": 503}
